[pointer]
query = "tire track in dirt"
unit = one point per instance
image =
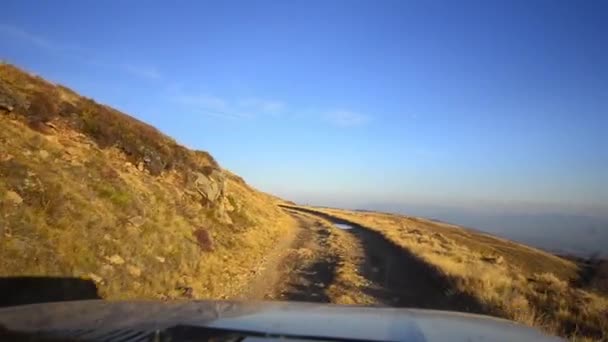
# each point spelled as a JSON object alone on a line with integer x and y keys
{"x": 394, "y": 276}
{"x": 310, "y": 268}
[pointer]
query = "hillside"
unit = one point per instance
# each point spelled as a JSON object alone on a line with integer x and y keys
{"x": 87, "y": 191}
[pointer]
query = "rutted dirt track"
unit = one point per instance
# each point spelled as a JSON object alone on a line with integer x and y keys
{"x": 322, "y": 263}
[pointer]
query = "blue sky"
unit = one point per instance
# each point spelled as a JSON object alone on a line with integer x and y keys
{"x": 487, "y": 104}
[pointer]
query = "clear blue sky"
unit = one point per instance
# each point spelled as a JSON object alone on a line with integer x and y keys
{"x": 456, "y": 103}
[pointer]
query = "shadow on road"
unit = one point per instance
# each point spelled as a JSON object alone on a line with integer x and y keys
{"x": 308, "y": 284}
{"x": 399, "y": 278}
{"x": 31, "y": 290}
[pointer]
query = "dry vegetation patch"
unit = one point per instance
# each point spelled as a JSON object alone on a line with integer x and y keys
{"x": 89, "y": 192}
{"x": 512, "y": 280}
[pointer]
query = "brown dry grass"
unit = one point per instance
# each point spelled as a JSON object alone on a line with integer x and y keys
{"x": 87, "y": 211}
{"x": 38, "y": 101}
{"x": 512, "y": 280}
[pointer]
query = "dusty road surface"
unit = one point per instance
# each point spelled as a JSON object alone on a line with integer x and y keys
{"x": 321, "y": 262}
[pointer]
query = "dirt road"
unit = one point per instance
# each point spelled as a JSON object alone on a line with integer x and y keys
{"x": 323, "y": 263}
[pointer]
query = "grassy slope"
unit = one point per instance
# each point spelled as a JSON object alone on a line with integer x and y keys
{"x": 88, "y": 211}
{"x": 513, "y": 280}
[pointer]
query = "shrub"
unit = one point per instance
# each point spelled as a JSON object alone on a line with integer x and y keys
{"x": 42, "y": 108}
{"x": 204, "y": 240}
{"x": 106, "y": 126}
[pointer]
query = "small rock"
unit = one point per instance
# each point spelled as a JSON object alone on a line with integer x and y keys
{"x": 160, "y": 259}
{"x": 6, "y": 107}
{"x": 415, "y": 231}
{"x": 140, "y": 166}
{"x": 493, "y": 259}
{"x": 116, "y": 259}
{"x": 147, "y": 159}
{"x": 95, "y": 278}
{"x": 187, "y": 291}
{"x": 13, "y": 197}
{"x": 137, "y": 221}
{"x": 132, "y": 229}
{"x": 5, "y": 157}
{"x": 134, "y": 271}
{"x": 107, "y": 269}
{"x": 43, "y": 154}
{"x": 107, "y": 237}
{"x": 51, "y": 125}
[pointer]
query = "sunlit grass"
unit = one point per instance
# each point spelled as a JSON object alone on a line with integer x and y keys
{"x": 512, "y": 280}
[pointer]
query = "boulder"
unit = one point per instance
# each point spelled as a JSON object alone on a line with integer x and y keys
{"x": 211, "y": 187}
{"x": 13, "y": 197}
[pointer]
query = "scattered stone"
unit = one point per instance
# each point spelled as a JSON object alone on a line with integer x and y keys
{"x": 186, "y": 291}
{"x": 43, "y": 154}
{"x": 107, "y": 237}
{"x": 95, "y": 278}
{"x": 7, "y": 232}
{"x": 132, "y": 229}
{"x": 134, "y": 271}
{"x": 140, "y": 166}
{"x": 137, "y": 221}
{"x": 107, "y": 269}
{"x": 51, "y": 125}
{"x": 160, "y": 259}
{"x": 116, "y": 259}
{"x": 493, "y": 259}
{"x": 441, "y": 238}
{"x": 7, "y": 98}
{"x": 6, "y": 107}
{"x": 13, "y": 197}
{"x": 228, "y": 206}
{"x": 4, "y": 157}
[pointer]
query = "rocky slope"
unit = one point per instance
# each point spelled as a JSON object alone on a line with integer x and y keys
{"x": 89, "y": 192}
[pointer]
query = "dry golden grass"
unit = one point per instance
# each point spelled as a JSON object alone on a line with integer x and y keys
{"x": 512, "y": 280}
{"x": 73, "y": 203}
